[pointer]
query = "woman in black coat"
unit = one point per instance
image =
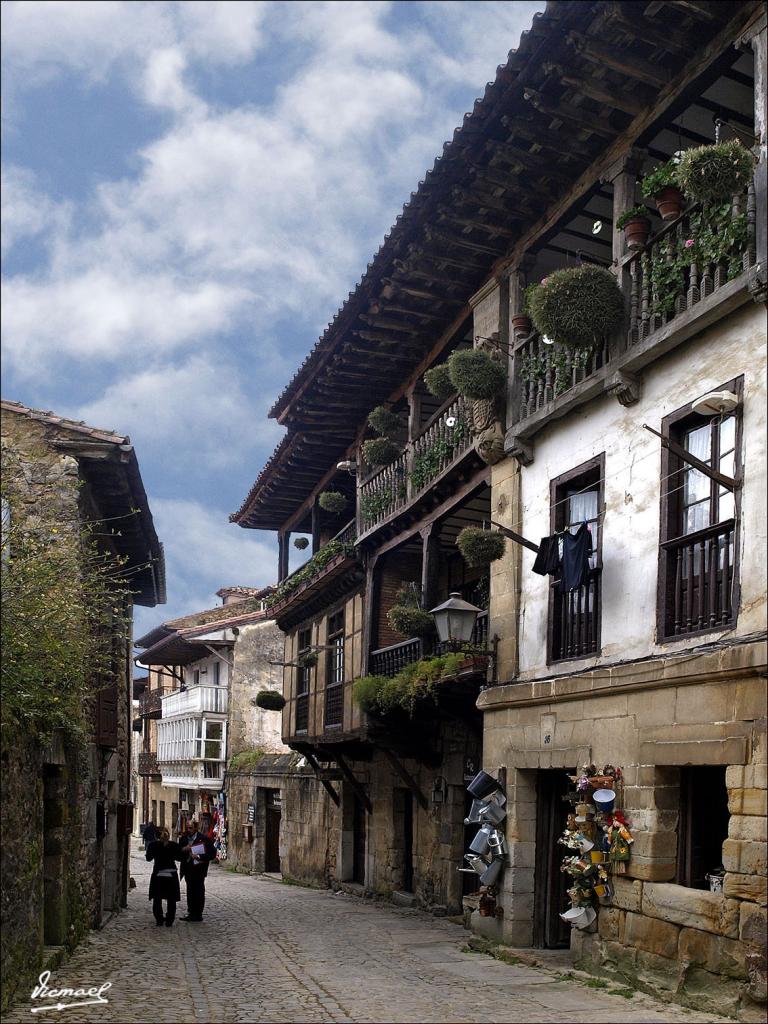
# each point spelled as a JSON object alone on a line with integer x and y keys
{"x": 164, "y": 884}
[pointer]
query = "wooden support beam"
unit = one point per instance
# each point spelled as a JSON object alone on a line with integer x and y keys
{"x": 477, "y": 225}
{"x": 531, "y": 161}
{"x": 732, "y": 483}
{"x": 407, "y": 778}
{"x": 619, "y": 60}
{"x": 531, "y": 134}
{"x": 323, "y": 782}
{"x": 669, "y": 38}
{"x": 516, "y": 537}
{"x": 611, "y": 97}
{"x": 463, "y": 242}
{"x": 349, "y": 775}
{"x": 583, "y": 120}
{"x": 282, "y": 556}
{"x": 422, "y": 293}
{"x": 430, "y": 566}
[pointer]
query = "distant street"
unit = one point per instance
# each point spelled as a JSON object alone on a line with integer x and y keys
{"x": 270, "y": 952}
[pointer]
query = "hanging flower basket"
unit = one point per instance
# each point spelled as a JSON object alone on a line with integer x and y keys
{"x": 475, "y": 374}
{"x": 480, "y": 547}
{"x": 410, "y": 621}
{"x": 269, "y": 700}
{"x": 302, "y": 543}
{"x": 438, "y": 382}
{"x": 307, "y": 660}
{"x": 636, "y": 227}
{"x": 384, "y": 421}
{"x": 714, "y": 174}
{"x": 380, "y": 451}
{"x": 332, "y": 501}
{"x": 578, "y": 306}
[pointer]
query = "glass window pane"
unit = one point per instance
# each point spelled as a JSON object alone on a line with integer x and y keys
{"x": 728, "y": 463}
{"x": 697, "y": 517}
{"x": 213, "y": 730}
{"x": 695, "y": 486}
{"x": 697, "y": 442}
{"x": 581, "y": 506}
{"x": 726, "y": 505}
{"x": 727, "y": 434}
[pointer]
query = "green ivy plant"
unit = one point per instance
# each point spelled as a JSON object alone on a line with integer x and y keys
{"x": 438, "y": 382}
{"x": 384, "y": 421}
{"x": 663, "y": 176}
{"x": 416, "y": 683}
{"x": 380, "y": 451}
{"x": 333, "y": 502}
{"x": 533, "y": 367}
{"x": 628, "y": 215}
{"x": 427, "y": 464}
{"x": 713, "y": 174}
{"x": 309, "y": 570}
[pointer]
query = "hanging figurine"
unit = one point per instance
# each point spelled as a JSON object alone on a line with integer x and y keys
{"x": 620, "y": 841}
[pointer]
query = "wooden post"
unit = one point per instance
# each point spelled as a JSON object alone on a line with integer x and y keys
{"x": 518, "y": 282}
{"x": 430, "y": 554}
{"x": 315, "y": 527}
{"x": 369, "y": 606}
{"x": 623, "y": 177}
{"x": 282, "y": 556}
{"x": 414, "y": 411}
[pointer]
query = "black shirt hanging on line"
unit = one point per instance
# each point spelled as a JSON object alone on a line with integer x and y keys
{"x": 547, "y": 561}
{"x": 577, "y": 547}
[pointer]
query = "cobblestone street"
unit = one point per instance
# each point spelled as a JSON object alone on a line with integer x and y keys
{"x": 270, "y": 952}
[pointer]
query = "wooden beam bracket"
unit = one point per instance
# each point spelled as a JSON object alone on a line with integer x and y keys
{"x": 349, "y": 775}
{"x": 323, "y": 782}
{"x": 732, "y": 483}
{"x": 407, "y": 778}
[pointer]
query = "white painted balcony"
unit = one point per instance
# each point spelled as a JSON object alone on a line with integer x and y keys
{"x": 195, "y": 700}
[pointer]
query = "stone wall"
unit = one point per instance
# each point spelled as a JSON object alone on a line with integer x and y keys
{"x": 702, "y": 949}
{"x": 252, "y": 728}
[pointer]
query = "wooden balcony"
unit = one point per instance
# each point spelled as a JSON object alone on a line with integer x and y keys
{"x": 699, "y": 573}
{"x": 148, "y": 765}
{"x": 388, "y": 661}
{"x": 443, "y": 442}
{"x": 151, "y": 702}
{"x": 669, "y": 299}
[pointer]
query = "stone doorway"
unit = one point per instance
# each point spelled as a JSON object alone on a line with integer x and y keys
{"x": 273, "y": 815}
{"x": 359, "y": 830}
{"x": 403, "y": 808}
{"x": 550, "y": 883}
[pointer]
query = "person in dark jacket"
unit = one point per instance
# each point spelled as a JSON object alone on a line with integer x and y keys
{"x": 164, "y": 884}
{"x": 198, "y": 851}
{"x": 150, "y": 833}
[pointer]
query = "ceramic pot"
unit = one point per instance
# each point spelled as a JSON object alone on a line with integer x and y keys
{"x": 636, "y": 232}
{"x": 669, "y": 202}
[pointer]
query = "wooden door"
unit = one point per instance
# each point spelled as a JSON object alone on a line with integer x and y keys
{"x": 358, "y": 841}
{"x": 551, "y": 884}
{"x": 272, "y": 832}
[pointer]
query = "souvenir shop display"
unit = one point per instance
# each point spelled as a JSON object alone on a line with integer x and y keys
{"x": 597, "y": 839}
{"x": 220, "y": 828}
{"x": 488, "y": 849}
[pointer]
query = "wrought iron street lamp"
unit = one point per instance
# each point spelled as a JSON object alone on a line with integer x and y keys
{"x": 455, "y": 620}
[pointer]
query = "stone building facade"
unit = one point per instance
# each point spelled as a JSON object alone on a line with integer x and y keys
{"x": 66, "y": 806}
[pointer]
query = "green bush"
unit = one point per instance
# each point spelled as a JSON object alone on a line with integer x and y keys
{"x": 713, "y": 174}
{"x": 380, "y": 451}
{"x": 309, "y": 570}
{"x": 410, "y": 621}
{"x": 332, "y": 501}
{"x": 302, "y": 543}
{"x": 384, "y": 421}
{"x": 269, "y": 700}
{"x": 365, "y": 692}
{"x": 480, "y": 547}
{"x": 438, "y": 382}
{"x": 628, "y": 215}
{"x": 246, "y": 760}
{"x": 475, "y": 374}
{"x": 663, "y": 176}
{"x": 578, "y": 306}
{"x": 416, "y": 683}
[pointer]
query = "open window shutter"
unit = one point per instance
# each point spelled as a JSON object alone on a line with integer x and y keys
{"x": 106, "y": 716}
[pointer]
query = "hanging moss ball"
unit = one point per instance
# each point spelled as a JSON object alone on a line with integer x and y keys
{"x": 579, "y": 306}
{"x": 384, "y": 421}
{"x": 475, "y": 375}
{"x": 380, "y": 451}
{"x": 480, "y": 547}
{"x": 308, "y": 660}
{"x": 270, "y": 700}
{"x": 302, "y": 543}
{"x": 438, "y": 382}
{"x": 714, "y": 174}
{"x": 332, "y": 501}
{"x": 410, "y": 621}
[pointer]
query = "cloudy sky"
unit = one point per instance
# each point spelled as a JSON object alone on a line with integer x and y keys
{"x": 190, "y": 190}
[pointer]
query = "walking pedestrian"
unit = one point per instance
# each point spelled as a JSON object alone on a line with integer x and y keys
{"x": 164, "y": 884}
{"x": 150, "y": 834}
{"x": 198, "y": 851}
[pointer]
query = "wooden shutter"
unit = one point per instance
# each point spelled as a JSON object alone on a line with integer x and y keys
{"x": 106, "y": 716}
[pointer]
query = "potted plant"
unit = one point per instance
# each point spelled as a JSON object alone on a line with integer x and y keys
{"x": 480, "y": 547}
{"x": 384, "y": 421}
{"x": 521, "y": 322}
{"x": 269, "y": 700}
{"x": 437, "y": 381}
{"x": 380, "y": 451}
{"x": 578, "y": 306}
{"x": 636, "y": 227}
{"x": 475, "y": 374}
{"x": 308, "y": 659}
{"x": 410, "y": 620}
{"x": 663, "y": 186}
{"x": 332, "y": 501}
{"x": 302, "y": 543}
{"x": 714, "y": 174}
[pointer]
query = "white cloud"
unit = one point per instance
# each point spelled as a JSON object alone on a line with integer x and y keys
{"x": 204, "y": 552}
{"x": 164, "y": 84}
{"x": 26, "y": 210}
{"x": 196, "y": 412}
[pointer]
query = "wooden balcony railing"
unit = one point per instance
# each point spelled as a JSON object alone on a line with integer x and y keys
{"x": 148, "y": 763}
{"x": 667, "y": 278}
{"x": 302, "y": 712}
{"x": 699, "y": 576}
{"x": 151, "y": 702}
{"x": 576, "y": 621}
{"x": 445, "y": 438}
{"x": 334, "y": 704}
{"x": 388, "y": 661}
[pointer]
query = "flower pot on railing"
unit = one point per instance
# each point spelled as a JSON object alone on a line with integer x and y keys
{"x": 637, "y": 231}
{"x": 521, "y": 325}
{"x": 669, "y": 202}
